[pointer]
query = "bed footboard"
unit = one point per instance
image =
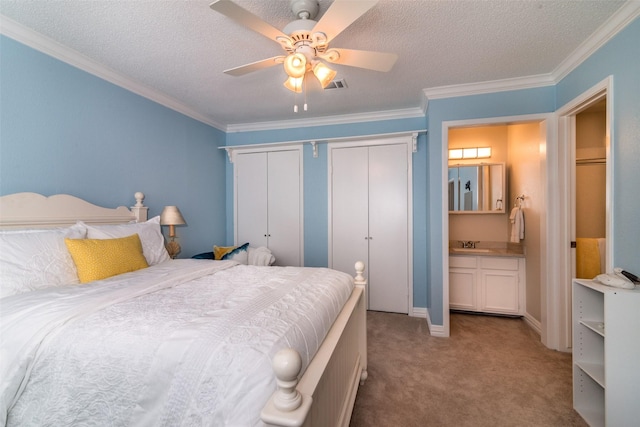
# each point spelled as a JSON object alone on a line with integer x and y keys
{"x": 326, "y": 393}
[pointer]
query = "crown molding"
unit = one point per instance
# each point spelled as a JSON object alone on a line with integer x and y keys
{"x": 37, "y": 41}
{"x": 466, "y": 89}
{"x": 43, "y": 44}
{"x": 612, "y": 26}
{"x": 408, "y": 113}
{"x": 620, "y": 19}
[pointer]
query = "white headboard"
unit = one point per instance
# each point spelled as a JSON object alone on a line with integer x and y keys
{"x": 32, "y": 210}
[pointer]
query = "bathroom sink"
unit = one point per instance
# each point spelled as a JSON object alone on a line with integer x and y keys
{"x": 472, "y": 250}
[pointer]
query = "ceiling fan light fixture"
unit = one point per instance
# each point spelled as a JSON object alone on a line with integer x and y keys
{"x": 306, "y": 41}
{"x": 323, "y": 73}
{"x": 294, "y": 84}
{"x": 295, "y": 65}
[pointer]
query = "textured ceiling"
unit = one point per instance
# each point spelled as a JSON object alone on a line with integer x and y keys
{"x": 180, "y": 48}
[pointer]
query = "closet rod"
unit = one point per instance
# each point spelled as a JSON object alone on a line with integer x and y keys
{"x": 597, "y": 161}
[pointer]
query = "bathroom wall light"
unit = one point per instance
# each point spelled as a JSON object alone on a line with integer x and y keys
{"x": 470, "y": 153}
{"x": 455, "y": 153}
{"x": 484, "y": 152}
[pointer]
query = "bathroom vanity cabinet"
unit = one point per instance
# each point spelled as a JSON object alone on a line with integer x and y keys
{"x": 606, "y": 351}
{"x": 487, "y": 284}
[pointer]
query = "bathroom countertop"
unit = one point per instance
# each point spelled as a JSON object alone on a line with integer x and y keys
{"x": 502, "y": 252}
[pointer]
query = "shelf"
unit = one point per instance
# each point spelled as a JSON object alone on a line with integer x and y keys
{"x": 595, "y": 326}
{"x": 596, "y": 307}
{"x": 594, "y": 370}
{"x": 588, "y": 398}
{"x": 593, "y": 417}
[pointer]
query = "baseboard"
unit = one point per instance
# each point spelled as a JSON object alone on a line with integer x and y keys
{"x": 438, "y": 330}
{"x": 418, "y": 312}
{"x": 434, "y": 330}
{"x": 533, "y": 323}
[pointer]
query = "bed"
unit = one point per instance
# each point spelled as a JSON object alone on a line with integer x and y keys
{"x": 167, "y": 342}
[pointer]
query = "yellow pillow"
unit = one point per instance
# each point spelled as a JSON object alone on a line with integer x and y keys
{"x": 220, "y": 251}
{"x": 98, "y": 259}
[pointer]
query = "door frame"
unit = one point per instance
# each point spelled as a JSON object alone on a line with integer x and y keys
{"x": 566, "y": 117}
{"x": 408, "y": 140}
{"x": 548, "y": 170}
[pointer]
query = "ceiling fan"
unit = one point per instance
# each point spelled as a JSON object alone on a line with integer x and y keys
{"x": 306, "y": 42}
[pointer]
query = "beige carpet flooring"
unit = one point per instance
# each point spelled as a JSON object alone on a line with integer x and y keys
{"x": 491, "y": 371}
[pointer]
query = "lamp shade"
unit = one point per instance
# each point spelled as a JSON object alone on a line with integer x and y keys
{"x": 171, "y": 215}
{"x": 323, "y": 73}
{"x": 294, "y": 84}
{"x": 295, "y": 65}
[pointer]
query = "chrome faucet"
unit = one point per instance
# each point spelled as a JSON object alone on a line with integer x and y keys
{"x": 468, "y": 244}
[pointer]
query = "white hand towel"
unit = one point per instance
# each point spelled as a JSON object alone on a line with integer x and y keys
{"x": 517, "y": 225}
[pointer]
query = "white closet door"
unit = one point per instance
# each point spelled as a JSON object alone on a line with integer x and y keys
{"x": 388, "y": 228}
{"x": 349, "y": 208}
{"x": 251, "y": 198}
{"x": 284, "y": 206}
{"x": 369, "y": 220}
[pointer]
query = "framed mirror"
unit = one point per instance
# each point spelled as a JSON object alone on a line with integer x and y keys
{"x": 477, "y": 188}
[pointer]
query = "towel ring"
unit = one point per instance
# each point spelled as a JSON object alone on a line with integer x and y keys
{"x": 519, "y": 200}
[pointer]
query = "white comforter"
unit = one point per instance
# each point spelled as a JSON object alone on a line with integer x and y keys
{"x": 185, "y": 342}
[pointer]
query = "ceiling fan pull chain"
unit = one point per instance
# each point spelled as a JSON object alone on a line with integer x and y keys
{"x": 295, "y": 98}
{"x": 304, "y": 86}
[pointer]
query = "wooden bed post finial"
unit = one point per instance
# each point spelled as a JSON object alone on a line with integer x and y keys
{"x": 359, "y": 279}
{"x": 286, "y": 365}
{"x": 139, "y": 196}
{"x": 287, "y": 407}
{"x": 139, "y": 210}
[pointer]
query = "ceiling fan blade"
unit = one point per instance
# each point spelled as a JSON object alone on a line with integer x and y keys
{"x": 246, "y": 18}
{"x": 377, "y": 61}
{"x": 340, "y": 15}
{"x": 255, "y": 66}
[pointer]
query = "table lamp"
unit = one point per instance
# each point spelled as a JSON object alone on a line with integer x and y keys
{"x": 172, "y": 216}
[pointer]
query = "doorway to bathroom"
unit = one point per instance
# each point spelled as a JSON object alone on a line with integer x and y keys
{"x": 520, "y": 143}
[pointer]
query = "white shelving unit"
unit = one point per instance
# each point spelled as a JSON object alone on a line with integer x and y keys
{"x": 606, "y": 354}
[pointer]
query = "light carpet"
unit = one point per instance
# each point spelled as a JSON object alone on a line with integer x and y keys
{"x": 491, "y": 371}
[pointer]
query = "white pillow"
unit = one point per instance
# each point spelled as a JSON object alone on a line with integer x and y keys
{"x": 260, "y": 256}
{"x": 149, "y": 232}
{"x": 37, "y": 259}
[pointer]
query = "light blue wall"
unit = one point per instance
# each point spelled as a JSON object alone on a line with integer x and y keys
{"x": 64, "y": 130}
{"x": 501, "y": 104}
{"x": 619, "y": 58}
{"x": 316, "y": 191}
